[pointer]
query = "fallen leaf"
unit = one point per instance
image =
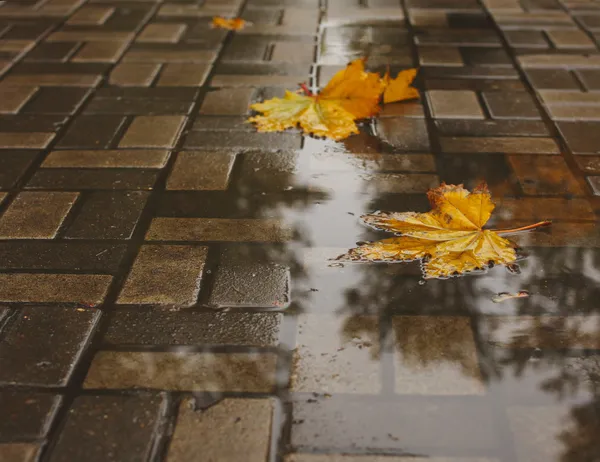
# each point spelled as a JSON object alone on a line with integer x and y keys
{"x": 449, "y": 240}
{"x": 351, "y": 94}
{"x": 228, "y": 23}
{"x": 503, "y": 296}
{"x": 399, "y": 89}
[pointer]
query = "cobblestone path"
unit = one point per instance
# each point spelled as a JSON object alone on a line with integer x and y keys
{"x": 165, "y": 288}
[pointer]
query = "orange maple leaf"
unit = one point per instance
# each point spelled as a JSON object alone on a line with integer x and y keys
{"x": 351, "y": 94}
{"x": 228, "y": 23}
{"x": 449, "y": 240}
{"x": 399, "y": 89}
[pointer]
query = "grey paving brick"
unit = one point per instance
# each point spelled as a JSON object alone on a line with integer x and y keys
{"x": 97, "y": 131}
{"x": 89, "y": 178}
{"x": 201, "y": 170}
{"x": 117, "y": 427}
{"x": 26, "y": 416}
{"x": 454, "y": 104}
{"x": 153, "y": 132}
{"x": 214, "y": 435}
{"x": 13, "y": 164}
{"x": 57, "y": 255}
{"x": 108, "y": 215}
{"x": 552, "y": 78}
{"x": 36, "y": 215}
{"x": 581, "y": 137}
{"x": 165, "y": 275}
{"x": 227, "y": 102}
{"x": 590, "y": 78}
{"x": 594, "y": 182}
{"x": 488, "y": 128}
{"x": 515, "y": 105}
{"x": 161, "y": 327}
{"x": 19, "y": 452}
{"x": 51, "y": 288}
{"x": 405, "y": 134}
{"x": 213, "y": 372}
{"x": 218, "y": 229}
{"x": 119, "y": 158}
{"x": 337, "y": 422}
{"x": 241, "y": 140}
{"x": 258, "y": 285}
{"x": 26, "y": 359}
{"x": 506, "y": 144}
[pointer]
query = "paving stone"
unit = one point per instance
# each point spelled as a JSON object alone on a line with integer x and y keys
{"x": 89, "y": 35}
{"x": 374, "y": 458}
{"x": 336, "y": 355}
{"x": 405, "y": 134}
{"x": 134, "y": 75}
{"x": 570, "y": 38}
{"x": 41, "y": 288}
{"x": 218, "y": 229}
{"x": 563, "y": 61}
{"x": 472, "y": 169}
{"x": 535, "y": 428}
{"x": 338, "y": 422}
{"x": 100, "y": 428}
{"x": 197, "y": 170}
{"x": 221, "y": 80}
{"x": 511, "y": 106}
{"x": 153, "y": 132}
{"x": 424, "y": 363}
{"x": 25, "y": 356}
{"x": 589, "y": 164}
{"x": 186, "y": 371}
{"x": 232, "y": 429}
{"x": 495, "y": 144}
{"x": 594, "y": 182}
{"x": 527, "y": 209}
{"x": 56, "y": 80}
{"x": 32, "y": 122}
{"x": 19, "y": 452}
{"x": 258, "y": 285}
{"x": 31, "y": 140}
{"x": 108, "y": 215}
{"x": 102, "y": 258}
{"x": 26, "y": 416}
{"x": 90, "y": 15}
{"x": 590, "y": 78}
{"x": 454, "y": 104}
{"x": 89, "y": 178}
{"x": 552, "y": 78}
{"x": 566, "y": 97}
{"x": 575, "y": 112}
{"x": 343, "y": 162}
{"x": 169, "y": 55}
{"x": 13, "y": 165}
{"x": 121, "y": 158}
{"x": 184, "y": 74}
{"x": 440, "y": 56}
{"x": 56, "y": 100}
{"x": 14, "y": 98}
{"x": 227, "y": 102}
{"x": 36, "y": 215}
{"x": 243, "y": 140}
{"x": 97, "y": 131}
{"x": 544, "y": 175}
{"x": 265, "y": 171}
{"x": 165, "y": 275}
{"x": 489, "y": 128}
{"x": 473, "y": 84}
{"x": 526, "y": 38}
{"x": 162, "y": 33}
{"x": 581, "y": 137}
{"x": 92, "y": 52}
{"x": 160, "y": 327}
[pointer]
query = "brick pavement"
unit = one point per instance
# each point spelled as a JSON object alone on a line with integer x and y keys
{"x": 165, "y": 293}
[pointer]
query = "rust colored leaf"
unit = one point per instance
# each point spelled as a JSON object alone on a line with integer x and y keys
{"x": 399, "y": 89}
{"x": 228, "y": 23}
{"x": 449, "y": 240}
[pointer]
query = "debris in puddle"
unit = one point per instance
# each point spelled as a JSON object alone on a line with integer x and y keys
{"x": 336, "y": 265}
{"x": 503, "y": 296}
{"x": 449, "y": 240}
{"x": 219, "y": 22}
{"x": 351, "y": 94}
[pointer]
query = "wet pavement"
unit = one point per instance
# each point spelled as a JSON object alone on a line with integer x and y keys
{"x": 165, "y": 281}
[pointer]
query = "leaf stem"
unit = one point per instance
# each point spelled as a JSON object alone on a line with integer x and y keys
{"x": 306, "y": 90}
{"x": 523, "y": 228}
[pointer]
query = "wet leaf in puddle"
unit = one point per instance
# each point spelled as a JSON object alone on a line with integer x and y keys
{"x": 350, "y": 95}
{"x": 220, "y": 22}
{"x": 399, "y": 89}
{"x": 503, "y": 296}
{"x": 449, "y": 240}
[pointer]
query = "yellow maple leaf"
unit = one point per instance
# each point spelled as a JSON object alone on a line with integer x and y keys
{"x": 351, "y": 94}
{"x": 449, "y": 239}
{"x": 228, "y": 23}
{"x": 399, "y": 89}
